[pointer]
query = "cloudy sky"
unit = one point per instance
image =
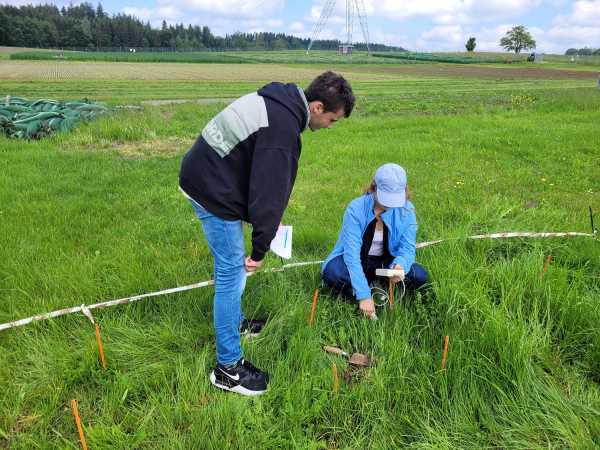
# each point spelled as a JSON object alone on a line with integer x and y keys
{"x": 424, "y": 25}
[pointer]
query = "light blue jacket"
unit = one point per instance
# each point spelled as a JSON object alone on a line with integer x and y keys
{"x": 402, "y": 237}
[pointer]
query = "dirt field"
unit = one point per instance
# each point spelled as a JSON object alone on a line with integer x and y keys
{"x": 69, "y": 70}
{"x": 9, "y": 50}
{"x": 62, "y": 70}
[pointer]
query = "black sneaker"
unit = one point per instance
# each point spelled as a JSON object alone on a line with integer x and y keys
{"x": 243, "y": 378}
{"x": 252, "y": 327}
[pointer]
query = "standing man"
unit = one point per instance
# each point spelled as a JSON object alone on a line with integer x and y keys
{"x": 242, "y": 168}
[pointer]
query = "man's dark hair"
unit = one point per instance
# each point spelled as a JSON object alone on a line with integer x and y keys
{"x": 333, "y": 90}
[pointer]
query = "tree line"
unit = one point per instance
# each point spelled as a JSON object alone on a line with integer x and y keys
{"x": 85, "y": 27}
{"x": 586, "y": 51}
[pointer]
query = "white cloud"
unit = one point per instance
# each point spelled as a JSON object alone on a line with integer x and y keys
{"x": 455, "y": 11}
{"x": 337, "y": 15}
{"x": 223, "y": 17}
{"x": 494, "y": 10}
{"x": 559, "y": 39}
{"x": 379, "y": 35}
{"x": 412, "y": 9}
{"x": 59, "y": 3}
{"x": 296, "y": 27}
{"x": 229, "y": 8}
{"x": 256, "y": 26}
{"x": 579, "y": 28}
{"x": 441, "y": 38}
{"x": 584, "y": 13}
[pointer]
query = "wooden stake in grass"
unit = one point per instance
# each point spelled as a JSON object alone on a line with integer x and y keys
{"x": 100, "y": 347}
{"x": 391, "y": 294}
{"x": 78, "y": 423}
{"x": 312, "y": 308}
{"x": 445, "y": 353}
{"x": 336, "y": 378}
{"x": 546, "y": 265}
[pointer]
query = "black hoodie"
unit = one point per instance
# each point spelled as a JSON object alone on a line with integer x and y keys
{"x": 243, "y": 165}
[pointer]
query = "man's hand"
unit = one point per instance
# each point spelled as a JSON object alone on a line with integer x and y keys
{"x": 251, "y": 265}
{"x": 367, "y": 307}
{"x": 399, "y": 278}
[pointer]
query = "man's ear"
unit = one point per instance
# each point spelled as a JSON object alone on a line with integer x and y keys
{"x": 317, "y": 107}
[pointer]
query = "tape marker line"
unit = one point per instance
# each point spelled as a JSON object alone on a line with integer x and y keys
{"x": 123, "y": 301}
{"x": 87, "y": 313}
{"x": 507, "y": 235}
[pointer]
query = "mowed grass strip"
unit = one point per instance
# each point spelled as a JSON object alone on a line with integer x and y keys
{"x": 95, "y": 214}
{"x": 446, "y": 91}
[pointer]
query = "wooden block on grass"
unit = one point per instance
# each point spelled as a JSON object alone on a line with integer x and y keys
{"x": 390, "y": 273}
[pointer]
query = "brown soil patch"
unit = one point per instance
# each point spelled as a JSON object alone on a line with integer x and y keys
{"x": 468, "y": 71}
{"x": 200, "y": 101}
{"x": 10, "y": 50}
{"x": 170, "y": 146}
{"x": 115, "y": 71}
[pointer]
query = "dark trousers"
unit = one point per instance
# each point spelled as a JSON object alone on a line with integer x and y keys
{"x": 336, "y": 275}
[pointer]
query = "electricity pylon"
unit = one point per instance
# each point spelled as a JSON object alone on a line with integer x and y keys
{"x": 352, "y": 7}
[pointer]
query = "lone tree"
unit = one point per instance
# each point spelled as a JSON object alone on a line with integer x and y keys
{"x": 471, "y": 44}
{"x": 517, "y": 39}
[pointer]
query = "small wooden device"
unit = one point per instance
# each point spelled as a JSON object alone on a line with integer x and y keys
{"x": 390, "y": 273}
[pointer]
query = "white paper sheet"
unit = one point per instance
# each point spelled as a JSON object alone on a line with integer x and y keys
{"x": 281, "y": 245}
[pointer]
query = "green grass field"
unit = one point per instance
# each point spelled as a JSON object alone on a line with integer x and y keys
{"x": 301, "y": 57}
{"x": 230, "y": 57}
{"x": 95, "y": 214}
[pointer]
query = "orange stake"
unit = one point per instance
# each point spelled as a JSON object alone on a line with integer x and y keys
{"x": 391, "y": 293}
{"x": 336, "y": 379}
{"x": 546, "y": 264}
{"x": 314, "y": 304}
{"x": 78, "y": 423}
{"x": 445, "y": 354}
{"x": 100, "y": 348}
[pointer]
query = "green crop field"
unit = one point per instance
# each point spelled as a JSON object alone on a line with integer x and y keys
{"x": 585, "y": 63}
{"x": 95, "y": 214}
{"x": 230, "y": 57}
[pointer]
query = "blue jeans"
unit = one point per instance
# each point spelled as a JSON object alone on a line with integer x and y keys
{"x": 226, "y": 242}
{"x": 336, "y": 275}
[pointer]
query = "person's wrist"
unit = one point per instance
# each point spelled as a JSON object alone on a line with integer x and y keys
{"x": 257, "y": 256}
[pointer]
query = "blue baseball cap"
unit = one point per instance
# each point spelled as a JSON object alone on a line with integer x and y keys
{"x": 391, "y": 185}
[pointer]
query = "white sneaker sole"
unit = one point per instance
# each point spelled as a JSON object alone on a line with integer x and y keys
{"x": 237, "y": 389}
{"x": 250, "y": 335}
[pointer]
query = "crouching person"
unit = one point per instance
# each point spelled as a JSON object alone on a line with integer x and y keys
{"x": 379, "y": 230}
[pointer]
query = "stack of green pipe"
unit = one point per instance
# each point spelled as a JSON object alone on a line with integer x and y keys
{"x": 24, "y": 119}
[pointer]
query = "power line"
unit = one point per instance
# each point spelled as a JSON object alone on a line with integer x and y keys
{"x": 353, "y": 8}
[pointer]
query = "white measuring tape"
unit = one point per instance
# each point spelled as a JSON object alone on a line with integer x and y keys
{"x": 123, "y": 301}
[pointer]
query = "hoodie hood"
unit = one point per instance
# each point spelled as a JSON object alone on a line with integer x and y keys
{"x": 291, "y": 97}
